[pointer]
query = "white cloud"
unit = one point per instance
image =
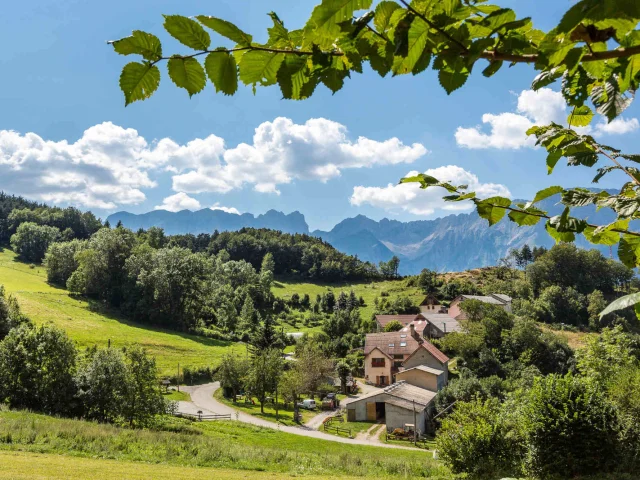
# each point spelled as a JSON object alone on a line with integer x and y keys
{"x": 111, "y": 165}
{"x": 411, "y": 198}
{"x": 179, "y": 201}
{"x": 618, "y": 126}
{"x": 508, "y": 130}
{"x": 100, "y": 170}
{"x": 217, "y": 206}
{"x": 283, "y": 151}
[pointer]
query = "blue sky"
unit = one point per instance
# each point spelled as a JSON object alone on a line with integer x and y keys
{"x": 59, "y": 80}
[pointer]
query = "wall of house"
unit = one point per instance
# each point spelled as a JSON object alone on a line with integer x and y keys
{"x": 370, "y": 373}
{"x": 423, "y": 357}
{"x": 455, "y": 311}
{"x": 397, "y": 417}
{"x": 420, "y": 379}
{"x": 360, "y": 406}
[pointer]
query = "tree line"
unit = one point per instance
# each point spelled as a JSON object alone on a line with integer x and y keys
{"x": 41, "y": 370}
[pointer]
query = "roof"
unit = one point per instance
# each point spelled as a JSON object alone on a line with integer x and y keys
{"x": 429, "y": 300}
{"x": 383, "y": 320}
{"x": 483, "y": 298}
{"x": 443, "y": 322}
{"x": 391, "y": 343}
{"x": 433, "y": 350}
{"x": 424, "y": 368}
{"x": 502, "y": 296}
{"x": 403, "y": 395}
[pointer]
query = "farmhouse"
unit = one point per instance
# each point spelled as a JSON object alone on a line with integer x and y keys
{"x": 430, "y": 304}
{"x": 387, "y": 353}
{"x": 398, "y": 404}
{"x": 499, "y": 299}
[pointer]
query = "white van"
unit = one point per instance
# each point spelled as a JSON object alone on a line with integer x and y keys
{"x": 308, "y": 404}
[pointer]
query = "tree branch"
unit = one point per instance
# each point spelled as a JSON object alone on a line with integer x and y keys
{"x": 435, "y": 27}
{"x": 613, "y": 159}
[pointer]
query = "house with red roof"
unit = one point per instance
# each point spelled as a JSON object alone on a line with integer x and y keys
{"x": 388, "y": 353}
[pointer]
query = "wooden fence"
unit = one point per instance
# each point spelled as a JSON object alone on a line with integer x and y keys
{"x": 337, "y": 430}
{"x": 200, "y": 417}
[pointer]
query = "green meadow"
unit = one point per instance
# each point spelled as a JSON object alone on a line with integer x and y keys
{"x": 88, "y": 323}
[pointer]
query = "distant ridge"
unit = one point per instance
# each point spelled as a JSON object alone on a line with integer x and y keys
{"x": 207, "y": 220}
{"x": 452, "y": 243}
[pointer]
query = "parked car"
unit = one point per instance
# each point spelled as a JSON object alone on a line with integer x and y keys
{"x": 307, "y": 404}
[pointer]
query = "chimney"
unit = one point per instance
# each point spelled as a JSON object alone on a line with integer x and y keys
{"x": 414, "y": 334}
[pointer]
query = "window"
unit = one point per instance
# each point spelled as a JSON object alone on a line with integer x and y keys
{"x": 377, "y": 362}
{"x": 403, "y": 344}
{"x": 392, "y": 344}
{"x": 403, "y": 336}
{"x": 398, "y": 356}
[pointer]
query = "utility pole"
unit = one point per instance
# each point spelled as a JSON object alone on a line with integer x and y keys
{"x": 178, "y": 377}
{"x": 276, "y": 403}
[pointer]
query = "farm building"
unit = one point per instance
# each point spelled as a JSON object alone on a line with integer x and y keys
{"x": 423, "y": 377}
{"x": 499, "y": 299}
{"x": 396, "y": 405}
{"x": 439, "y": 325}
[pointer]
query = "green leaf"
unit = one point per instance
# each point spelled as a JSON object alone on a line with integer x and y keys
{"x": 416, "y": 44}
{"x": 498, "y": 18}
{"x": 453, "y": 72}
{"x": 221, "y": 70}
{"x": 492, "y": 209}
{"x": 608, "y": 100}
{"x": 580, "y": 117}
{"x": 187, "y": 31}
{"x": 526, "y": 217}
{"x": 138, "y": 81}
{"x": 326, "y": 17}
{"x": 545, "y": 193}
{"x": 384, "y": 12}
{"x": 277, "y": 34}
{"x": 546, "y": 78}
{"x": 620, "y": 303}
{"x": 601, "y": 238}
{"x": 560, "y": 236}
{"x": 629, "y": 250}
{"x": 260, "y": 67}
{"x": 552, "y": 160}
{"x": 226, "y": 29}
{"x": 187, "y": 73}
{"x": 140, "y": 43}
{"x": 492, "y": 68}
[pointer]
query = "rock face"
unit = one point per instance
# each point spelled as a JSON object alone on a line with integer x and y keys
{"x": 207, "y": 220}
{"x": 451, "y": 243}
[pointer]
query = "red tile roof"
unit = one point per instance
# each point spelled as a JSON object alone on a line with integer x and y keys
{"x": 433, "y": 350}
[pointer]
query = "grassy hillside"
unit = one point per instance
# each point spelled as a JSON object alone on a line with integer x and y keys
{"x": 221, "y": 445}
{"x": 285, "y": 287}
{"x": 87, "y": 324}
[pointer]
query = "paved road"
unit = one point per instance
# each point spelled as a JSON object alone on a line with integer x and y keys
{"x": 202, "y": 399}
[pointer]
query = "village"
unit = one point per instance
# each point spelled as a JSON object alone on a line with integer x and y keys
{"x": 403, "y": 372}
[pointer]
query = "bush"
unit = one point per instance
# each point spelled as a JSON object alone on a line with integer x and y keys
{"x": 477, "y": 439}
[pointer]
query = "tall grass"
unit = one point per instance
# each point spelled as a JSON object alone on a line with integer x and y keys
{"x": 223, "y": 445}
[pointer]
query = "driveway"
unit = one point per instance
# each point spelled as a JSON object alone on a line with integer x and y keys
{"x": 202, "y": 399}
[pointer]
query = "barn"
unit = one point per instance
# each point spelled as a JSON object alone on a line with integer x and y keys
{"x": 396, "y": 405}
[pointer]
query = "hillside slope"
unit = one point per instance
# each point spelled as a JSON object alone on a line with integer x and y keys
{"x": 87, "y": 325}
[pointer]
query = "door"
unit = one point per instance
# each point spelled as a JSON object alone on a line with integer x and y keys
{"x": 371, "y": 412}
{"x": 351, "y": 415}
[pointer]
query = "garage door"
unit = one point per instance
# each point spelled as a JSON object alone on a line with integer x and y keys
{"x": 371, "y": 412}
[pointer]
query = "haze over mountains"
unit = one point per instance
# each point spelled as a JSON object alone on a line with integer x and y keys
{"x": 451, "y": 243}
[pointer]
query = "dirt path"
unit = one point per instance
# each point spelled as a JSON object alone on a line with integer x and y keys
{"x": 202, "y": 399}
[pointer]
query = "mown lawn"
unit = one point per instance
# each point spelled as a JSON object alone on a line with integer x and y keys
{"x": 89, "y": 324}
{"x": 221, "y": 444}
{"x": 355, "y": 427}
{"x": 284, "y": 287}
{"x": 285, "y": 414}
{"x": 177, "y": 396}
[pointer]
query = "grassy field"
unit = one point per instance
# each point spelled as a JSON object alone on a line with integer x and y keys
{"x": 87, "y": 324}
{"x": 177, "y": 396}
{"x": 285, "y": 287}
{"x": 285, "y": 415}
{"x": 221, "y": 445}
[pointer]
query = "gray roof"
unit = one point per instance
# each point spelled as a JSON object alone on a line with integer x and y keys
{"x": 502, "y": 296}
{"x": 484, "y": 298}
{"x": 403, "y": 395}
{"x": 424, "y": 368}
{"x": 443, "y": 322}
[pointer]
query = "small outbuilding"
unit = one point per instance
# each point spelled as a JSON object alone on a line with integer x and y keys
{"x": 397, "y": 405}
{"x": 424, "y": 377}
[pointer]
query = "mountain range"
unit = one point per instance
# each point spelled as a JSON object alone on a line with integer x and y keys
{"x": 452, "y": 243}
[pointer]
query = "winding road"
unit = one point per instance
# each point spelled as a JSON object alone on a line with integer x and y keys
{"x": 202, "y": 399}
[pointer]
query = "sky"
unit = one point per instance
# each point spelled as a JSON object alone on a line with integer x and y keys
{"x": 66, "y": 137}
